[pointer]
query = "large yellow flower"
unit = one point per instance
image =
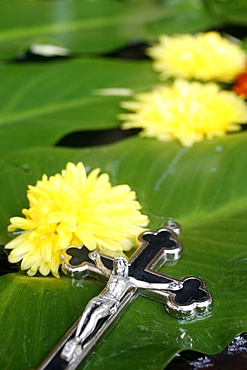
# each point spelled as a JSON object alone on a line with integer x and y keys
{"x": 73, "y": 209}
{"x": 204, "y": 56}
{"x": 186, "y": 111}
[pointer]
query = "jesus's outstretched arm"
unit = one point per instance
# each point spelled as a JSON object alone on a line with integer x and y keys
{"x": 95, "y": 257}
{"x": 173, "y": 285}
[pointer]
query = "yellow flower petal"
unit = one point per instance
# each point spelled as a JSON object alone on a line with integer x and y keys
{"x": 186, "y": 111}
{"x": 30, "y": 260}
{"x": 44, "y": 268}
{"x": 72, "y": 208}
{"x": 21, "y": 223}
{"x": 204, "y": 56}
{"x": 20, "y": 240}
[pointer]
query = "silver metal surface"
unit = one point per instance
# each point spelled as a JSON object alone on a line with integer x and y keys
{"x": 108, "y": 302}
{"x": 183, "y": 298}
{"x": 175, "y": 226}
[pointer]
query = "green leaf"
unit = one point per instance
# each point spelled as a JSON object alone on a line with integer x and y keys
{"x": 31, "y": 302}
{"x": 204, "y": 188}
{"x": 95, "y": 26}
{"x": 230, "y": 11}
{"x": 85, "y": 26}
{"x": 65, "y": 97}
{"x": 45, "y": 102}
{"x": 186, "y": 16}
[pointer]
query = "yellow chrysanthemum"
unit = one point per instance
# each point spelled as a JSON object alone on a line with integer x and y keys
{"x": 205, "y": 56}
{"x": 186, "y": 111}
{"x": 73, "y": 209}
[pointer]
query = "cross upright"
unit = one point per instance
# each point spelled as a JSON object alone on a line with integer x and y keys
{"x": 126, "y": 280}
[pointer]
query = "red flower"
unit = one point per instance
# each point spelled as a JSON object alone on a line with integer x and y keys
{"x": 240, "y": 86}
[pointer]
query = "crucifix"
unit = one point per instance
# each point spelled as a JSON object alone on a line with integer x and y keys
{"x": 125, "y": 281}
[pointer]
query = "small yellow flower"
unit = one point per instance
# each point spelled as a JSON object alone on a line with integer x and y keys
{"x": 186, "y": 111}
{"x": 74, "y": 208}
{"x": 204, "y": 56}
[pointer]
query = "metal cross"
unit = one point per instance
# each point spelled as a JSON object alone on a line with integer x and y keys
{"x": 126, "y": 280}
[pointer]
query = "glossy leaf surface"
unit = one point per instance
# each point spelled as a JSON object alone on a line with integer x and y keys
{"x": 45, "y": 102}
{"x": 229, "y": 10}
{"x": 95, "y": 26}
{"x": 204, "y": 188}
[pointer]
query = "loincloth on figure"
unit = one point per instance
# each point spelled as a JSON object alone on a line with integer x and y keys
{"x": 107, "y": 301}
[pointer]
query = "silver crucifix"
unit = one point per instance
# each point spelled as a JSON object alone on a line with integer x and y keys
{"x": 126, "y": 280}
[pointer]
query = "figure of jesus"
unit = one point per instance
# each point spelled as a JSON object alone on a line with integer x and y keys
{"x": 107, "y": 303}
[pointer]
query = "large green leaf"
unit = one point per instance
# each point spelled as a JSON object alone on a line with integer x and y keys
{"x": 203, "y": 187}
{"x": 95, "y": 26}
{"x": 186, "y": 16}
{"x": 40, "y": 103}
{"x": 79, "y": 25}
{"x": 230, "y": 11}
{"x": 29, "y": 302}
